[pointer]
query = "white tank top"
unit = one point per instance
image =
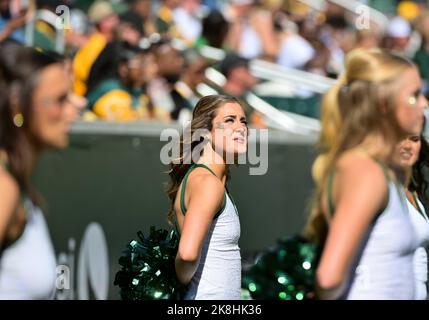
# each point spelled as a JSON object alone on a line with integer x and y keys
{"x": 218, "y": 275}
{"x": 27, "y": 266}
{"x": 420, "y": 223}
{"x": 383, "y": 269}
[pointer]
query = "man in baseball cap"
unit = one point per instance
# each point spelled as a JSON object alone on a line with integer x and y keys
{"x": 239, "y": 81}
{"x": 232, "y": 61}
{"x": 103, "y": 16}
{"x": 99, "y": 11}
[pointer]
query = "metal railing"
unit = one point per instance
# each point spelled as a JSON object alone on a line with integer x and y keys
{"x": 297, "y": 78}
{"x": 274, "y": 72}
{"x": 51, "y": 19}
{"x": 282, "y": 120}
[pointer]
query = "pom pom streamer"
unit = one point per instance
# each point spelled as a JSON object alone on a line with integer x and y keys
{"x": 285, "y": 271}
{"x": 148, "y": 271}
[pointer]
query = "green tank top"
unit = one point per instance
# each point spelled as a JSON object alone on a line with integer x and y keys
{"x": 182, "y": 193}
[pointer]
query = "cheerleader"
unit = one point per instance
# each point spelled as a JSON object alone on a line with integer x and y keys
{"x": 208, "y": 259}
{"x": 413, "y": 153}
{"x": 359, "y": 214}
{"x": 36, "y": 112}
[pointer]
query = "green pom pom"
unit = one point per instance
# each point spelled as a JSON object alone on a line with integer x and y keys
{"x": 148, "y": 271}
{"x": 284, "y": 272}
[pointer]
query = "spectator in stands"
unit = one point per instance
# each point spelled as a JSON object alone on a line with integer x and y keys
{"x": 12, "y": 21}
{"x": 170, "y": 62}
{"x": 214, "y": 30}
{"x": 239, "y": 81}
{"x": 144, "y": 9}
{"x": 123, "y": 98}
{"x": 101, "y": 14}
{"x": 251, "y": 32}
{"x": 170, "y": 67}
{"x": 295, "y": 51}
{"x": 310, "y": 30}
{"x": 164, "y": 21}
{"x": 421, "y": 57}
{"x": 334, "y": 35}
{"x": 130, "y": 28}
{"x": 184, "y": 92}
{"x": 77, "y": 33}
{"x": 36, "y": 111}
{"x": 187, "y": 18}
{"x": 397, "y": 35}
{"x": 105, "y": 66}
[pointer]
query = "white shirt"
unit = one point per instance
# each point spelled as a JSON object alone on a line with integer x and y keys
{"x": 218, "y": 276}
{"x": 383, "y": 267}
{"x": 27, "y": 266}
{"x": 187, "y": 24}
{"x": 420, "y": 260}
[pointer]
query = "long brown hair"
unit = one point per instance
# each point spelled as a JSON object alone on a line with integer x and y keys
{"x": 361, "y": 104}
{"x": 204, "y": 113}
{"x": 20, "y": 68}
{"x": 418, "y": 181}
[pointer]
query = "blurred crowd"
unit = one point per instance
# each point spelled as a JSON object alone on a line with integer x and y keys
{"x": 142, "y": 59}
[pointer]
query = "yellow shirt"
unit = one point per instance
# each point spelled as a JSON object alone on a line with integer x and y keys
{"x": 84, "y": 60}
{"x": 117, "y": 105}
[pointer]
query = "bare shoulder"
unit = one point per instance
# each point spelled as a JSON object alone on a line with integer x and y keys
{"x": 9, "y": 191}
{"x": 358, "y": 165}
{"x": 359, "y": 173}
{"x": 203, "y": 182}
{"x": 8, "y": 185}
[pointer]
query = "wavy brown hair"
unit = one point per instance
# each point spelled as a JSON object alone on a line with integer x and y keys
{"x": 202, "y": 119}
{"x": 418, "y": 181}
{"x": 361, "y": 104}
{"x": 20, "y": 68}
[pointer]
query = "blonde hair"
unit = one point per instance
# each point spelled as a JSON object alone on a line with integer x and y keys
{"x": 362, "y": 103}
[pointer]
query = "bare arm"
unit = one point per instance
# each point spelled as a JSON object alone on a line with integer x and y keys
{"x": 9, "y": 192}
{"x": 205, "y": 198}
{"x": 233, "y": 38}
{"x": 263, "y": 24}
{"x": 11, "y": 26}
{"x": 362, "y": 192}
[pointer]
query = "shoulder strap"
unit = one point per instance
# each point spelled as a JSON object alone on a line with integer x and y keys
{"x": 416, "y": 200}
{"x": 5, "y": 163}
{"x": 232, "y": 200}
{"x": 331, "y": 206}
{"x": 182, "y": 193}
{"x": 384, "y": 168}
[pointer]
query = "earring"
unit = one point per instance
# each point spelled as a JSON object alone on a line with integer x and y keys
{"x": 18, "y": 120}
{"x": 412, "y": 101}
